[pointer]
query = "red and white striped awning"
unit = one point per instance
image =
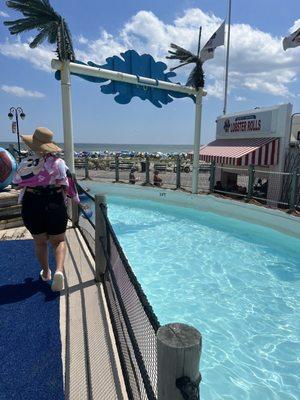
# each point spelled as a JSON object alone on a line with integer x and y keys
{"x": 256, "y": 151}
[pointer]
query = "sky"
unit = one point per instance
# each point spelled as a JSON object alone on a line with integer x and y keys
{"x": 261, "y": 73}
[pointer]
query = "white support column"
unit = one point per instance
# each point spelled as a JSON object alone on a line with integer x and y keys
{"x": 197, "y": 138}
{"x": 67, "y": 115}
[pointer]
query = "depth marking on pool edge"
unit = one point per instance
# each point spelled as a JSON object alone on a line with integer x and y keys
{"x": 162, "y": 194}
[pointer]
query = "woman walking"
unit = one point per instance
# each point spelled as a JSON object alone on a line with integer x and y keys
{"x": 44, "y": 182}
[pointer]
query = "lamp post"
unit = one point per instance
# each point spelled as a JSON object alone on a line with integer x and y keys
{"x": 17, "y": 111}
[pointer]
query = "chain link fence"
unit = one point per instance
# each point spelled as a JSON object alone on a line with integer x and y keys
{"x": 271, "y": 188}
{"x": 171, "y": 173}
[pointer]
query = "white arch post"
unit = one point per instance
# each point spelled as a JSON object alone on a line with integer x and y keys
{"x": 197, "y": 139}
{"x": 67, "y": 67}
{"x": 66, "y": 97}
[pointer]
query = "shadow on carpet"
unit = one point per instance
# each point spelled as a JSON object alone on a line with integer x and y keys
{"x": 30, "y": 346}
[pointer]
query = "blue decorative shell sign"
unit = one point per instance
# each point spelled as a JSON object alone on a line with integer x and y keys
{"x": 141, "y": 66}
{"x": 8, "y": 167}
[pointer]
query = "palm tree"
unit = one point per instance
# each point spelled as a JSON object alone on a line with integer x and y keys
{"x": 40, "y": 15}
{"x": 196, "y": 77}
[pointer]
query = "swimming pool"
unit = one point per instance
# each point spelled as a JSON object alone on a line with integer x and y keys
{"x": 238, "y": 283}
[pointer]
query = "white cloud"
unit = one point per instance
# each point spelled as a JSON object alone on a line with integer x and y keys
{"x": 295, "y": 26}
{"x": 40, "y": 57}
{"x": 257, "y": 60}
{"x": 4, "y": 14}
{"x": 215, "y": 89}
{"x": 98, "y": 50}
{"x": 21, "y": 92}
{"x": 240, "y": 98}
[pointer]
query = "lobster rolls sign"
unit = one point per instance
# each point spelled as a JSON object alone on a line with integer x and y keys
{"x": 247, "y": 124}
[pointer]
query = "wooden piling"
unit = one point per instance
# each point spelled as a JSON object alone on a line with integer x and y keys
{"x": 178, "y": 355}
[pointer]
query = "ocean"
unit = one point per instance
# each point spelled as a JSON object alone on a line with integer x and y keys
{"x": 149, "y": 148}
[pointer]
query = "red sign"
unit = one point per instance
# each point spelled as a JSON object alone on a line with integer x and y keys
{"x": 243, "y": 124}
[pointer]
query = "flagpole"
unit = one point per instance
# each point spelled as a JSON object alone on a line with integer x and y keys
{"x": 199, "y": 41}
{"x": 227, "y": 58}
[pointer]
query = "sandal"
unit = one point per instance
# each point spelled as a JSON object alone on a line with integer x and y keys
{"x": 58, "y": 282}
{"x": 42, "y": 276}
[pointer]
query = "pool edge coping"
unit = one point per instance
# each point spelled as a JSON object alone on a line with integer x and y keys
{"x": 272, "y": 218}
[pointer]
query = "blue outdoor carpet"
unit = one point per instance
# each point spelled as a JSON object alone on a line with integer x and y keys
{"x": 30, "y": 346}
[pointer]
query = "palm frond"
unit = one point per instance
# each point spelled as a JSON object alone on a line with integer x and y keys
{"x": 40, "y": 15}
{"x": 44, "y": 33}
{"x": 181, "y": 54}
{"x": 31, "y": 7}
{"x": 25, "y": 24}
{"x": 196, "y": 77}
{"x": 52, "y": 37}
{"x": 64, "y": 42}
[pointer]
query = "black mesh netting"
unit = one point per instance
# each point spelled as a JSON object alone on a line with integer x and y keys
{"x": 134, "y": 322}
{"x": 87, "y": 229}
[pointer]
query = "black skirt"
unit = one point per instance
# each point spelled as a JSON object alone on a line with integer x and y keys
{"x": 44, "y": 212}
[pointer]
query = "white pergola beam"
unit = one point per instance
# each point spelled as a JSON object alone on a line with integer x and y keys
{"x": 123, "y": 77}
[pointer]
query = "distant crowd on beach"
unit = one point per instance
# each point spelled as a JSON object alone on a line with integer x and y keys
{"x": 121, "y": 154}
{"x": 131, "y": 154}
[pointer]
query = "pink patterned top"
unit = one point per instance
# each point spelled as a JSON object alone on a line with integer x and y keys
{"x": 44, "y": 170}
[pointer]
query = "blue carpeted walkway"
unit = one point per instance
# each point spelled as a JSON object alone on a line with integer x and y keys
{"x": 30, "y": 346}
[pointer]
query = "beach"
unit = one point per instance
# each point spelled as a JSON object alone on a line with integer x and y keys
{"x": 118, "y": 147}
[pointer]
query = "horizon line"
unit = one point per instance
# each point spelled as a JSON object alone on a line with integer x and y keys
{"x": 123, "y": 144}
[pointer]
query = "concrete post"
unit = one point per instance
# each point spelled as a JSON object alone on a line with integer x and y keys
{"x": 178, "y": 355}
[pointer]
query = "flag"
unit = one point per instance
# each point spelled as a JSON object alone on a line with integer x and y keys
{"x": 292, "y": 41}
{"x": 217, "y": 39}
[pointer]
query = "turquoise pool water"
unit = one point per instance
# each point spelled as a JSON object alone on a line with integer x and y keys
{"x": 238, "y": 283}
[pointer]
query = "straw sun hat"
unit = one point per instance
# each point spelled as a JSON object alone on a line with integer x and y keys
{"x": 41, "y": 141}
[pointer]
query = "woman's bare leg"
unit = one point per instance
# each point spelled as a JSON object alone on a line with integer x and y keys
{"x": 41, "y": 250}
{"x": 59, "y": 245}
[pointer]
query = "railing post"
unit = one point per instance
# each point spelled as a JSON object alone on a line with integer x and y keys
{"x": 86, "y": 168}
{"x": 251, "y": 172}
{"x": 117, "y": 168}
{"x": 147, "y": 170}
{"x": 100, "y": 237}
{"x": 178, "y": 171}
{"x": 212, "y": 177}
{"x": 293, "y": 192}
{"x": 74, "y": 207}
{"x": 178, "y": 355}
